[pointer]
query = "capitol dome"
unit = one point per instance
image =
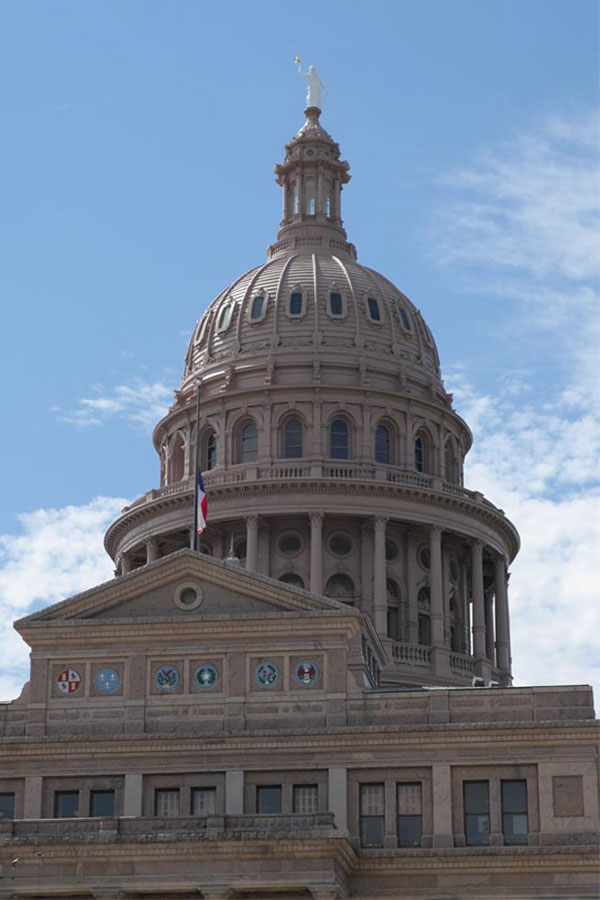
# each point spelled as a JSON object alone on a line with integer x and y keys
{"x": 331, "y": 453}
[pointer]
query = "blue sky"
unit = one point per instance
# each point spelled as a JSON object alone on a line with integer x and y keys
{"x": 137, "y": 155}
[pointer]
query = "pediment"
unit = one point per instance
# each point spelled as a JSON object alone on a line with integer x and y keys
{"x": 156, "y": 591}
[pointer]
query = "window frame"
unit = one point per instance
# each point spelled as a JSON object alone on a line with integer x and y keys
{"x": 283, "y": 437}
{"x": 390, "y": 445}
{"x": 337, "y": 292}
{"x": 368, "y": 818}
{"x": 94, "y": 793}
{"x": 222, "y": 326}
{"x": 476, "y": 814}
{"x": 330, "y": 430}
{"x": 268, "y": 787}
{"x": 299, "y": 787}
{"x": 522, "y": 812}
{"x": 294, "y": 293}
{"x": 369, "y": 299}
{"x": 243, "y": 458}
{"x": 195, "y": 791}
{"x": 259, "y": 295}
{"x": 56, "y": 803}
{"x": 172, "y": 791}
{"x": 409, "y": 816}
{"x": 402, "y": 316}
{"x": 208, "y": 450}
{"x": 10, "y": 816}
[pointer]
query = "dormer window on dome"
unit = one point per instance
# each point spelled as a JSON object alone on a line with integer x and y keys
{"x": 258, "y": 308}
{"x": 224, "y": 319}
{"x": 296, "y": 304}
{"x": 373, "y": 310}
{"x": 404, "y": 320}
{"x": 336, "y": 305}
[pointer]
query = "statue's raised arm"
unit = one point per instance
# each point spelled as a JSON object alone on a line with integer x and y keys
{"x": 316, "y": 90}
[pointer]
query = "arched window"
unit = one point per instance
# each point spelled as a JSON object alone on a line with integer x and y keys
{"x": 421, "y": 452}
{"x": 382, "y": 445}
{"x": 404, "y": 319}
{"x": 294, "y": 198}
{"x": 211, "y": 451}
{"x": 257, "y": 308}
{"x": 249, "y": 443}
{"x": 293, "y": 579}
{"x": 339, "y": 443}
{"x": 292, "y": 439}
{"x": 176, "y": 459}
{"x": 340, "y": 586}
{"x": 373, "y": 307}
{"x": 225, "y": 317}
{"x": 450, "y": 463}
{"x": 310, "y": 196}
{"x": 327, "y": 195}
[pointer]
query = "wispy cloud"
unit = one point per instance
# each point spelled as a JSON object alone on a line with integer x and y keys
{"x": 57, "y": 553}
{"x": 140, "y": 403}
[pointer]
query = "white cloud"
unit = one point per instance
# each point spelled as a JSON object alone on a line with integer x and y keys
{"x": 140, "y": 403}
{"x": 58, "y": 553}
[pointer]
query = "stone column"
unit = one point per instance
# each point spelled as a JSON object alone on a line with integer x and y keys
{"x": 319, "y": 205}
{"x": 252, "y": 543}
{"x": 489, "y": 628}
{"x": 478, "y": 601}
{"x": 151, "y": 549}
{"x": 338, "y": 797}
{"x": 316, "y": 552}
{"x": 379, "y": 575}
{"x": 437, "y": 591}
{"x": 125, "y": 564}
{"x": 411, "y": 585}
{"x": 502, "y": 652}
{"x": 366, "y": 566}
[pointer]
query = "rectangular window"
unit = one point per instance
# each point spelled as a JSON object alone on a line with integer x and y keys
{"x": 335, "y": 304}
{"x": 102, "y": 803}
{"x": 306, "y": 798}
{"x": 166, "y": 803}
{"x": 296, "y": 304}
{"x": 410, "y": 819}
{"x": 66, "y": 804}
{"x": 7, "y": 806}
{"x": 268, "y": 800}
{"x": 514, "y": 812}
{"x": 371, "y": 815}
{"x": 374, "y": 309}
{"x": 477, "y": 812}
{"x": 204, "y": 801}
{"x": 257, "y": 308}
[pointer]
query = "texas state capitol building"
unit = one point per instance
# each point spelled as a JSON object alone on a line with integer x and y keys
{"x": 291, "y": 713}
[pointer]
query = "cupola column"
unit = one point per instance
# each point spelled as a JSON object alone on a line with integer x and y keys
{"x": 252, "y": 543}
{"x": 478, "y": 601}
{"x": 489, "y": 628}
{"x": 379, "y": 575}
{"x": 502, "y": 652}
{"x": 437, "y": 589}
{"x": 316, "y": 552}
{"x": 151, "y": 549}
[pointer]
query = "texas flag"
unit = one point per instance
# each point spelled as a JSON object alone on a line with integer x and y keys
{"x": 201, "y": 503}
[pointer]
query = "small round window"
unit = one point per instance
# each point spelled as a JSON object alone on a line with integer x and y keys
{"x": 187, "y": 596}
{"x": 290, "y": 544}
{"x": 425, "y": 557}
{"x": 391, "y": 550}
{"x": 340, "y": 545}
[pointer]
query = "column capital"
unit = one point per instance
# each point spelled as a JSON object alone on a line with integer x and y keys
{"x": 316, "y": 519}
{"x": 379, "y": 522}
{"x": 477, "y": 546}
{"x": 252, "y": 521}
{"x": 435, "y": 532}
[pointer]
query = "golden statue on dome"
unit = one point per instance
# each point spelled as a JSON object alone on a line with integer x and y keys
{"x": 315, "y": 89}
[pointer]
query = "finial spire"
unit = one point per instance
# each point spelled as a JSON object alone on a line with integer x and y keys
{"x": 315, "y": 89}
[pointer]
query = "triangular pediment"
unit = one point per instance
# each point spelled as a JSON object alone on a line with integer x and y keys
{"x": 158, "y": 592}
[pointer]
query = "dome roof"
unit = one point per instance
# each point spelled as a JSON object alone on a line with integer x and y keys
{"x": 312, "y": 300}
{"x": 312, "y": 295}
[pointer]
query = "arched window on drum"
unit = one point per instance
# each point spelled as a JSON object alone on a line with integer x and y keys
{"x": 339, "y": 439}
{"x": 292, "y": 439}
{"x": 383, "y": 444}
{"x": 248, "y": 443}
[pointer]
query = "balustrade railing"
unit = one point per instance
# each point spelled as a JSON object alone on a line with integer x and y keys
{"x": 411, "y": 654}
{"x": 461, "y": 663}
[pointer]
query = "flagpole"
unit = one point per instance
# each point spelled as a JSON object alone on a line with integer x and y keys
{"x": 196, "y": 469}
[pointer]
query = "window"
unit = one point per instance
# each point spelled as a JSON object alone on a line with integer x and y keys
{"x": 336, "y": 307}
{"x": 66, "y": 804}
{"x": 477, "y": 812}
{"x": 424, "y": 557}
{"x": 102, "y": 803}
{"x": 166, "y": 802}
{"x": 371, "y": 815}
{"x": 424, "y": 627}
{"x": 514, "y": 812}
{"x": 176, "y": 458}
{"x": 306, "y": 798}
{"x": 256, "y": 310}
{"x": 249, "y": 443}
{"x": 340, "y": 586}
{"x": 290, "y": 544}
{"x": 204, "y": 801}
{"x": 202, "y": 328}
{"x": 404, "y": 319}
{"x": 450, "y": 463}
{"x": 211, "y": 451}
{"x": 268, "y": 800}
{"x": 310, "y": 196}
{"x": 294, "y": 198}
{"x": 293, "y": 579}
{"x": 240, "y": 549}
{"x": 327, "y": 193}
{"x": 292, "y": 439}
{"x": 393, "y": 622}
{"x": 410, "y": 820}
{"x": 7, "y": 806}
{"x": 382, "y": 445}
{"x": 340, "y": 545}
{"x": 296, "y": 303}
{"x": 339, "y": 439}
{"x": 374, "y": 312}
{"x": 391, "y": 550}
{"x": 419, "y": 454}
{"x": 225, "y": 317}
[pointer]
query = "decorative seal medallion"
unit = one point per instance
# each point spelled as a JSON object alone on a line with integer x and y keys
{"x": 206, "y": 677}
{"x": 68, "y": 681}
{"x": 108, "y": 680}
{"x": 306, "y": 673}
{"x": 167, "y": 678}
{"x": 267, "y": 674}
